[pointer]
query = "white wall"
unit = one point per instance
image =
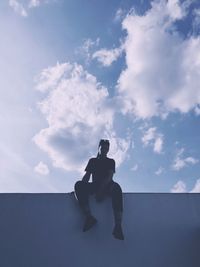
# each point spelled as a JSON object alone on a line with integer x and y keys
{"x": 44, "y": 230}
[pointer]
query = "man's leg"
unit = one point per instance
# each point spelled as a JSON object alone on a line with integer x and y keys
{"x": 117, "y": 204}
{"x": 83, "y": 190}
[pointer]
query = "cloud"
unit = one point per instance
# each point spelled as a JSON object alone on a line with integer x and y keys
{"x": 197, "y": 110}
{"x": 79, "y": 112}
{"x": 87, "y": 49}
{"x": 196, "y": 188}
{"x": 18, "y": 8}
{"x": 134, "y": 168}
{"x": 35, "y": 3}
{"x": 176, "y": 10}
{"x": 159, "y": 171}
{"x": 50, "y": 78}
{"x": 158, "y": 144}
{"x": 180, "y": 162}
{"x": 107, "y": 57}
{"x": 17, "y": 175}
{"x": 179, "y": 187}
{"x": 42, "y": 168}
{"x": 153, "y": 138}
{"x": 162, "y": 68}
{"x": 196, "y": 21}
{"x": 119, "y": 15}
{"x": 21, "y": 7}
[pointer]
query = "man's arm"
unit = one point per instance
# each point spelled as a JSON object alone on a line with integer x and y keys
{"x": 88, "y": 169}
{"x": 86, "y": 177}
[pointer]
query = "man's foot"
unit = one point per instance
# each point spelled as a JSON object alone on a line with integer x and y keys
{"x": 117, "y": 232}
{"x": 89, "y": 223}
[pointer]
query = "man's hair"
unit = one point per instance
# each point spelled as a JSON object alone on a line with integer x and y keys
{"x": 104, "y": 142}
{"x": 101, "y": 143}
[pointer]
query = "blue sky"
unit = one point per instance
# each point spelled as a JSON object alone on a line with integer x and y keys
{"x": 72, "y": 73}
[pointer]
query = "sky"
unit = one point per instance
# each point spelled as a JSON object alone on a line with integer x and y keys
{"x": 74, "y": 73}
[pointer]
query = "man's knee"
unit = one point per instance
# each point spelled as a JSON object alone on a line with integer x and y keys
{"x": 116, "y": 188}
{"x": 79, "y": 185}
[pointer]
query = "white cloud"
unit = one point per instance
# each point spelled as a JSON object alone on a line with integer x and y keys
{"x": 79, "y": 112}
{"x": 18, "y": 176}
{"x": 135, "y": 167}
{"x": 21, "y": 7}
{"x": 42, "y": 168}
{"x": 196, "y": 188}
{"x": 152, "y": 138}
{"x": 180, "y": 162}
{"x": 176, "y": 10}
{"x": 119, "y": 15}
{"x": 87, "y": 49}
{"x": 52, "y": 76}
{"x": 18, "y": 8}
{"x": 35, "y": 3}
{"x": 158, "y": 144}
{"x": 159, "y": 171}
{"x": 197, "y": 110}
{"x": 162, "y": 72}
{"x": 196, "y": 21}
{"x": 179, "y": 187}
{"x": 107, "y": 57}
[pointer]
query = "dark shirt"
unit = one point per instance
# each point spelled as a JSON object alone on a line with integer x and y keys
{"x": 100, "y": 168}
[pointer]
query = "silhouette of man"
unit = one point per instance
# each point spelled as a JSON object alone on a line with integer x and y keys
{"x": 102, "y": 169}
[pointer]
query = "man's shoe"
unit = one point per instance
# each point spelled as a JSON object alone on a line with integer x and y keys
{"x": 89, "y": 223}
{"x": 117, "y": 232}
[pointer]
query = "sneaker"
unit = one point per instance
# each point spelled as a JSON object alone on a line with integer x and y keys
{"x": 117, "y": 232}
{"x": 89, "y": 223}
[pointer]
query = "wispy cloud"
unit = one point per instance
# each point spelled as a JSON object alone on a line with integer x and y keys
{"x": 159, "y": 171}
{"x": 196, "y": 188}
{"x": 18, "y": 8}
{"x": 197, "y": 110}
{"x": 181, "y": 162}
{"x": 152, "y": 138}
{"x": 42, "y": 168}
{"x": 22, "y": 7}
{"x": 134, "y": 168}
{"x": 51, "y": 77}
{"x": 162, "y": 68}
{"x": 106, "y": 57}
{"x": 78, "y": 112}
{"x": 35, "y": 3}
{"x": 119, "y": 15}
{"x": 17, "y": 175}
{"x": 179, "y": 187}
{"x": 196, "y": 21}
{"x": 87, "y": 49}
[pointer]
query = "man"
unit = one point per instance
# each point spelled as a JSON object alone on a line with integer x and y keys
{"x": 102, "y": 169}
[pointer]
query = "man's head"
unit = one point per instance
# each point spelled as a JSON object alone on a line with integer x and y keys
{"x": 104, "y": 146}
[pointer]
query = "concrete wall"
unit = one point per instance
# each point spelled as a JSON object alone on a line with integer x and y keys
{"x": 161, "y": 230}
